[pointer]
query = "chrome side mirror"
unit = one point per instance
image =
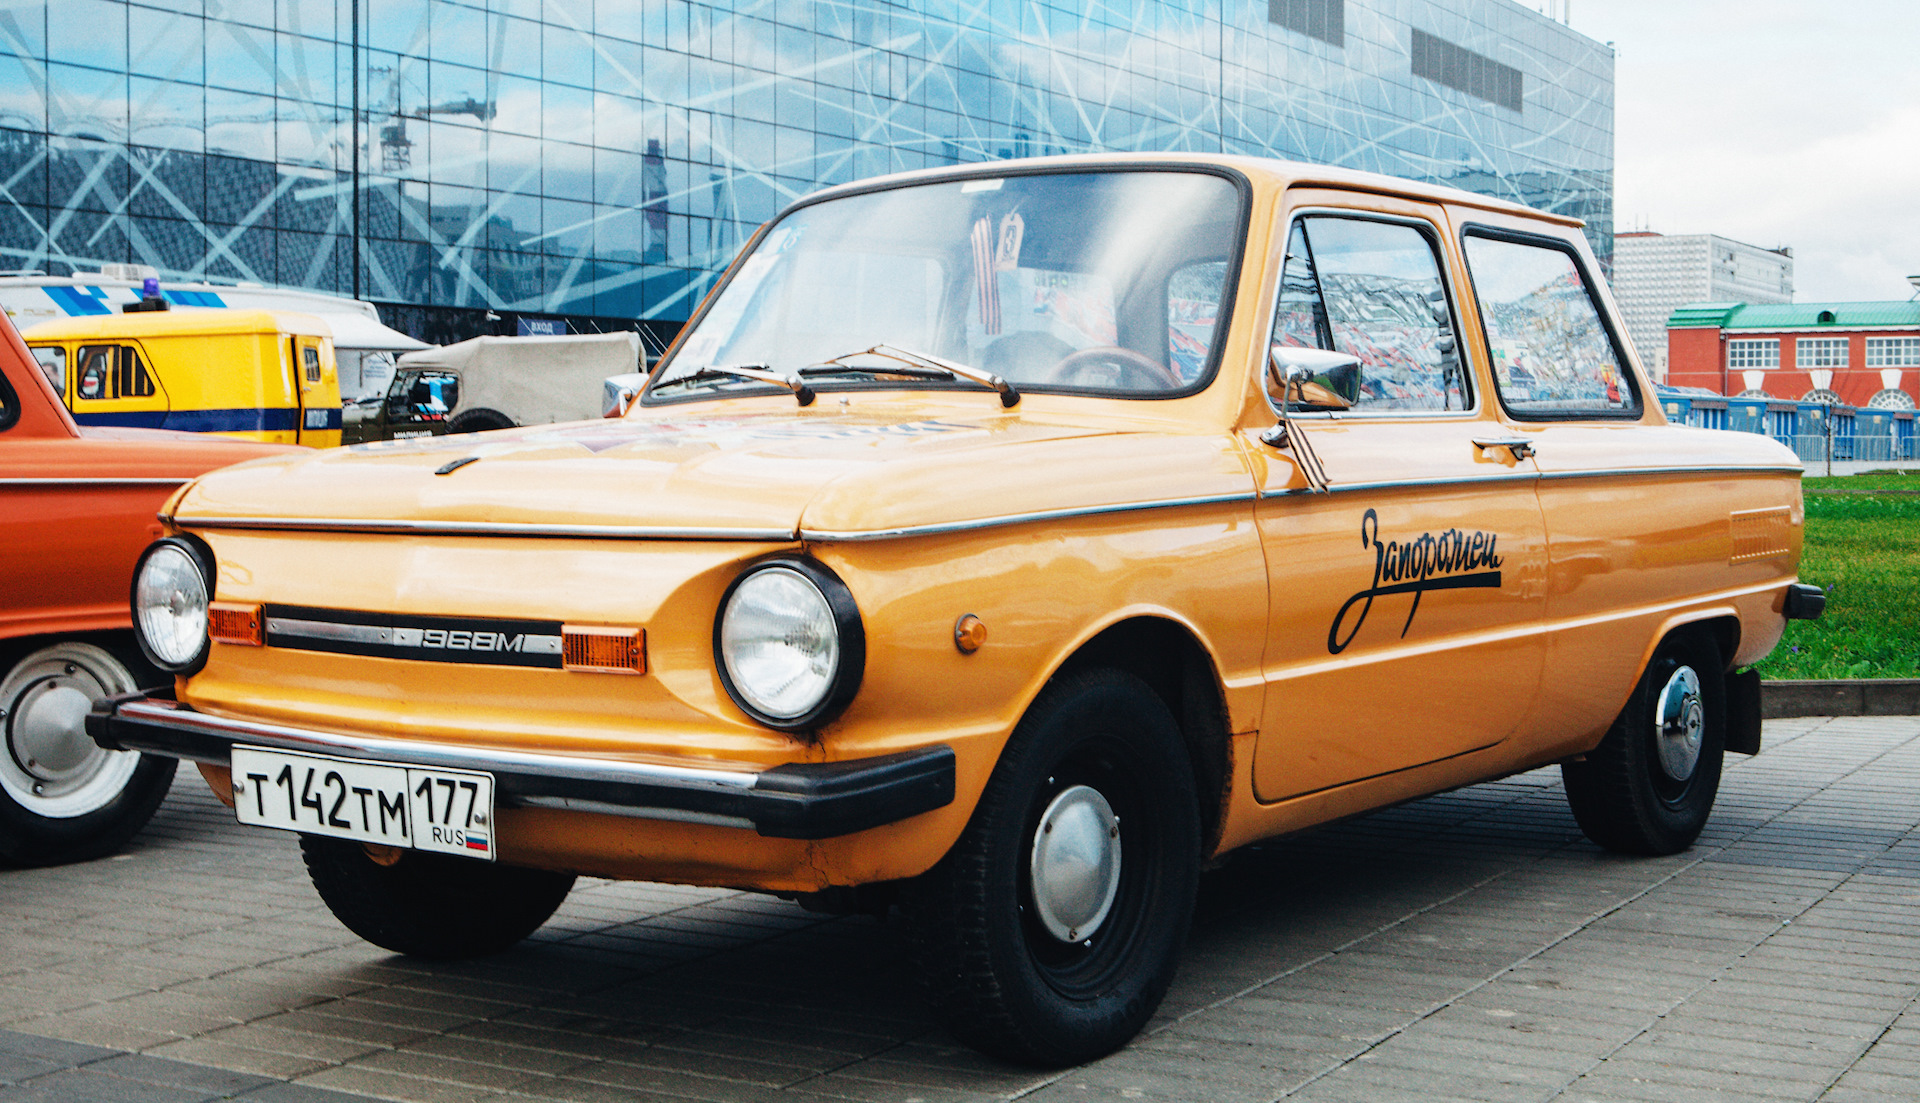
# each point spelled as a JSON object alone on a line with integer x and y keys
{"x": 1314, "y": 379}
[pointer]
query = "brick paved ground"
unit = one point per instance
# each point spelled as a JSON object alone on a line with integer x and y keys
{"x": 1470, "y": 946}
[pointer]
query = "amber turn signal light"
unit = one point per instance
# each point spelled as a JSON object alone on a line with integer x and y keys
{"x": 228, "y": 622}
{"x": 604, "y": 650}
{"x": 969, "y": 632}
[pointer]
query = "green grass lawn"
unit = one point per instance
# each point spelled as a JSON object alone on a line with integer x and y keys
{"x": 1866, "y": 548}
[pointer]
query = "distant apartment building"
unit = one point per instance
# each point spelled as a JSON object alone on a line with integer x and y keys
{"x": 1656, "y": 274}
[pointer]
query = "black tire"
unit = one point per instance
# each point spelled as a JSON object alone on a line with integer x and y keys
{"x": 1002, "y": 980}
{"x": 432, "y": 905}
{"x": 74, "y": 801}
{"x": 478, "y": 420}
{"x": 1629, "y": 797}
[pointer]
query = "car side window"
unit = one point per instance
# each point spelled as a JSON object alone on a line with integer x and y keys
{"x": 111, "y": 371}
{"x": 93, "y": 378}
{"x": 9, "y": 405}
{"x": 1373, "y": 290}
{"x": 1551, "y": 353}
{"x": 53, "y": 364}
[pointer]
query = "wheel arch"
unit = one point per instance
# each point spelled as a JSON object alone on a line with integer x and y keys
{"x": 1170, "y": 658}
{"x": 1723, "y": 624}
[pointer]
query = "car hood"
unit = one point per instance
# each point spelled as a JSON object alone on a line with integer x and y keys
{"x": 746, "y": 475}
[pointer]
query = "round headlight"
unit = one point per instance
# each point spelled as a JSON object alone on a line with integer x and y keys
{"x": 171, "y": 588}
{"x": 789, "y": 644}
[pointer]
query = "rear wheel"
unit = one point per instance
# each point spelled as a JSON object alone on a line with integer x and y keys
{"x": 478, "y": 421}
{"x": 431, "y": 905}
{"x": 1051, "y": 930}
{"x": 62, "y": 797}
{"x": 1650, "y": 784}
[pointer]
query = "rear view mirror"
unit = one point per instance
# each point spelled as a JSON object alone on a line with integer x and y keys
{"x": 1316, "y": 379}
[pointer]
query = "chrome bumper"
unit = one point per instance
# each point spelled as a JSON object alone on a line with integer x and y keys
{"x": 803, "y": 800}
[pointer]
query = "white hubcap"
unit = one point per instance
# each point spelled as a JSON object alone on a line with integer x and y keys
{"x": 1075, "y": 867}
{"x": 50, "y": 766}
{"x": 1679, "y": 721}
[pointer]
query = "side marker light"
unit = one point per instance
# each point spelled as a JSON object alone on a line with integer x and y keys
{"x": 969, "y": 632}
{"x": 603, "y": 650}
{"x": 230, "y": 622}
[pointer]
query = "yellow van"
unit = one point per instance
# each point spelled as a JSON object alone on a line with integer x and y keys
{"x": 265, "y": 375}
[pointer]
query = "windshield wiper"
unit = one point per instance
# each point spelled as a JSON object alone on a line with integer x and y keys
{"x": 921, "y": 365}
{"x": 762, "y": 373}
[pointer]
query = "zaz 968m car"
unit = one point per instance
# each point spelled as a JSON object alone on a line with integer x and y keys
{"x": 1001, "y": 542}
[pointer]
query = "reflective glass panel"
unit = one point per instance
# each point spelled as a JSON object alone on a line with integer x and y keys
{"x": 1551, "y": 353}
{"x": 1065, "y": 281}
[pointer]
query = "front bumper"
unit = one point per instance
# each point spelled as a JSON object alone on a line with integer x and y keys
{"x": 803, "y": 800}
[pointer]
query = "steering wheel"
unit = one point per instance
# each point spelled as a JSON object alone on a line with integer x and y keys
{"x": 1147, "y": 374}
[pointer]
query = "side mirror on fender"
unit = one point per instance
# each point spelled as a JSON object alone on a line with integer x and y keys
{"x": 1316, "y": 379}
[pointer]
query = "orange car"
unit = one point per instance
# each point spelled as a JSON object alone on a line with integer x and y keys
{"x": 77, "y": 506}
{"x": 1003, "y": 542}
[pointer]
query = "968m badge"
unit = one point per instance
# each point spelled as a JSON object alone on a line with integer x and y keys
{"x": 448, "y": 811}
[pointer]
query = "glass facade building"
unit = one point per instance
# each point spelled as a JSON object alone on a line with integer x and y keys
{"x": 604, "y": 158}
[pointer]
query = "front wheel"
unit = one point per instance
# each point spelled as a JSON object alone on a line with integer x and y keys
{"x": 431, "y": 905}
{"x": 1051, "y": 930}
{"x": 1649, "y": 786}
{"x": 62, "y": 797}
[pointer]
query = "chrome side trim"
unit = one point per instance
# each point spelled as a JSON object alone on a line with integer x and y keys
{"x": 1397, "y": 484}
{"x": 486, "y": 528}
{"x": 1757, "y": 469}
{"x": 1005, "y": 519}
{"x": 1504, "y": 477}
{"x": 156, "y": 480}
{"x": 676, "y": 815}
{"x": 281, "y": 737}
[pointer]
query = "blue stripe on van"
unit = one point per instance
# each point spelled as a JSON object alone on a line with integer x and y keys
{"x": 192, "y": 298}
{"x": 201, "y": 421}
{"x": 76, "y": 302}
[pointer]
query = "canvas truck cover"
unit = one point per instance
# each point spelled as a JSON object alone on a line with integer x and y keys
{"x": 533, "y": 380}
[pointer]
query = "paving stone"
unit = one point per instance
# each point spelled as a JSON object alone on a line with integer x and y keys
{"x": 1467, "y": 946}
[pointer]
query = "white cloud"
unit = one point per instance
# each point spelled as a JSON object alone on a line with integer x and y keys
{"x": 1774, "y": 122}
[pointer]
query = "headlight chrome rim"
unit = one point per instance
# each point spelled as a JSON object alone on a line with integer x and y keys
{"x": 190, "y": 559}
{"x": 844, "y": 681}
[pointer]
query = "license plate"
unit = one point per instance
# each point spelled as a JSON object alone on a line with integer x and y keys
{"x": 446, "y": 811}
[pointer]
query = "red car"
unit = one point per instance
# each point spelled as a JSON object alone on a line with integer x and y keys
{"x": 77, "y": 506}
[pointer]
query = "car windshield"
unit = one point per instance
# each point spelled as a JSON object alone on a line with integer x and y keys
{"x": 1087, "y": 282}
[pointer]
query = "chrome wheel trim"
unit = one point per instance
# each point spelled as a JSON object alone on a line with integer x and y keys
{"x": 1679, "y": 724}
{"x": 50, "y": 766}
{"x": 1074, "y": 867}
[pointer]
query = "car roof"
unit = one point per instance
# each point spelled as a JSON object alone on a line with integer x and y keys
{"x": 1275, "y": 172}
{"x": 179, "y": 323}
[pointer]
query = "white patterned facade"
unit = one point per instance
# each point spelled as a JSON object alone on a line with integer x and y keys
{"x": 1656, "y": 274}
{"x": 605, "y": 157}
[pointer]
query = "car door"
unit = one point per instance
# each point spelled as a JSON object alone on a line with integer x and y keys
{"x": 1634, "y": 515}
{"x": 112, "y": 385}
{"x": 1405, "y": 595}
{"x": 320, "y": 415}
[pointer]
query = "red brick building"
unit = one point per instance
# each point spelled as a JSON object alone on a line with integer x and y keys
{"x": 1864, "y": 354}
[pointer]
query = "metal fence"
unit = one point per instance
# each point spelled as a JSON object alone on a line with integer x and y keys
{"x": 1816, "y": 431}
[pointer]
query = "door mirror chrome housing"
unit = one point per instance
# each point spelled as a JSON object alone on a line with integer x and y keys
{"x": 1312, "y": 379}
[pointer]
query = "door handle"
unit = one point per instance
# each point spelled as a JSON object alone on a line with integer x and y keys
{"x": 1519, "y": 447}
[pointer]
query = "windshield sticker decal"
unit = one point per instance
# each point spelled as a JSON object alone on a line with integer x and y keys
{"x": 1452, "y": 560}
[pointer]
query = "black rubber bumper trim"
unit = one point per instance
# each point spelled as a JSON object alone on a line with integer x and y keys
{"x": 802, "y": 800}
{"x": 1804, "y": 602}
